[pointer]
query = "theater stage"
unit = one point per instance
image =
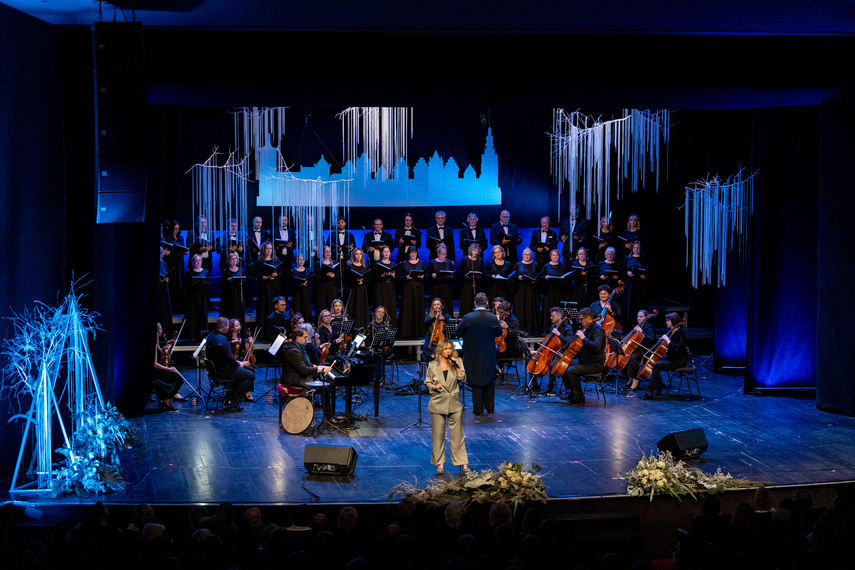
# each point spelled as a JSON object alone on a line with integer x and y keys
{"x": 191, "y": 456}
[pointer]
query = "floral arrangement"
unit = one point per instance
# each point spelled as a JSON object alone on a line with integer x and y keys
{"x": 511, "y": 483}
{"x": 664, "y": 475}
{"x": 91, "y": 465}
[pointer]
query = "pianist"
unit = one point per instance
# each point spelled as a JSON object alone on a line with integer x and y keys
{"x": 298, "y": 368}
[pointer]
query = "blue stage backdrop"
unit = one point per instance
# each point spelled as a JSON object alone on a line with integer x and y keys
{"x": 782, "y": 292}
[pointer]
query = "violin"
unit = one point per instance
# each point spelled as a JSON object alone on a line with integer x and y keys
{"x": 250, "y": 349}
{"x": 632, "y": 341}
{"x": 438, "y": 332}
{"x": 500, "y": 340}
{"x": 324, "y": 348}
{"x": 170, "y": 345}
{"x": 656, "y": 354}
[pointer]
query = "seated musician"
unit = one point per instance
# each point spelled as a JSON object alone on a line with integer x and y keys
{"x": 590, "y": 359}
{"x": 510, "y": 324}
{"x": 634, "y": 363}
{"x": 312, "y": 349}
{"x": 435, "y": 314}
{"x": 166, "y": 379}
{"x": 379, "y": 322}
{"x": 296, "y": 321}
{"x": 676, "y": 357}
{"x": 611, "y": 308}
{"x": 239, "y": 348}
{"x": 564, "y": 331}
{"x": 325, "y": 333}
{"x": 231, "y": 371}
{"x": 298, "y": 368}
{"x": 279, "y": 321}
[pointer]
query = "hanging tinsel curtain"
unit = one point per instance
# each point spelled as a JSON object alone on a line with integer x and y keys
{"x": 717, "y": 218}
{"x": 219, "y": 193}
{"x": 254, "y": 127}
{"x": 588, "y": 152}
{"x": 383, "y": 131}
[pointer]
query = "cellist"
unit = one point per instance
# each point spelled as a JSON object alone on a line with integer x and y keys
{"x": 676, "y": 357}
{"x": 590, "y": 359}
{"x": 612, "y": 308}
{"x": 564, "y": 331}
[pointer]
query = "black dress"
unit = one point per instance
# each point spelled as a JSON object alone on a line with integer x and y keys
{"x": 628, "y": 237}
{"x": 497, "y": 287}
{"x": 301, "y": 294}
{"x": 553, "y": 290}
{"x": 584, "y": 285}
{"x": 231, "y": 295}
{"x": 635, "y": 295}
{"x": 385, "y": 294}
{"x": 609, "y": 239}
{"x": 526, "y": 297}
{"x": 412, "y": 300}
{"x": 268, "y": 289}
{"x": 357, "y": 296}
{"x": 440, "y": 287}
{"x": 469, "y": 286}
{"x": 613, "y": 278}
{"x": 196, "y": 302}
{"x": 176, "y": 267}
{"x": 326, "y": 288}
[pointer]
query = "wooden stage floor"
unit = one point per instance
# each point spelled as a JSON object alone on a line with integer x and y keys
{"x": 191, "y": 456}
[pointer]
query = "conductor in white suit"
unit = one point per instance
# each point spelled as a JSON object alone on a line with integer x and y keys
{"x": 442, "y": 378}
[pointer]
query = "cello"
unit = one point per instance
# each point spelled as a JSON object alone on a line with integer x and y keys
{"x": 656, "y": 354}
{"x": 540, "y": 360}
{"x": 632, "y": 341}
{"x": 607, "y": 322}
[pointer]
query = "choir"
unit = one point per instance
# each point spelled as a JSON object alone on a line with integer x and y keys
{"x": 571, "y": 267}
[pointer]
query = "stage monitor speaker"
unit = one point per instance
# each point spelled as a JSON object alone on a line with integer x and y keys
{"x": 329, "y": 460}
{"x": 689, "y": 444}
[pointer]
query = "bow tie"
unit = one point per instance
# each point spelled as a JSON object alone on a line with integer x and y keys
{"x": 440, "y": 227}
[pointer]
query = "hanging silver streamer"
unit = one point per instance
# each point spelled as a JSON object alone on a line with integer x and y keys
{"x": 254, "y": 127}
{"x": 219, "y": 193}
{"x": 583, "y": 148}
{"x": 383, "y": 131}
{"x": 717, "y": 217}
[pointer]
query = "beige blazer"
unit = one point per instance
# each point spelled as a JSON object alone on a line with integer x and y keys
{"x": 447, "y": 400}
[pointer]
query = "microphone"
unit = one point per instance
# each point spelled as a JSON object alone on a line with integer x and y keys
{"x": 453, "y": 363}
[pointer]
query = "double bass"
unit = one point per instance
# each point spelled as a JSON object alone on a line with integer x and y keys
{"x": 656, "y": 354}
{"x": 632, "y": 341}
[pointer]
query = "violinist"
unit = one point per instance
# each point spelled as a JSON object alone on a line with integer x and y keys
{"x": 638, "y": 354}
{"x": 613, "y": 308}
{"x": 325, "y": 333}
{"x": 379, "y": 322}
{"x": 237, "y": 374}
{"x": 511, "y": 326}
{"x": 590, "y": 359}
{"x": 676, "y": 357}
{"x": 240, "y": 348}
{"x": 435, "y": 320}
{"x": 564, "y": 331}
{"x": 166, "y": 379}
{"x": 338, "y": 315}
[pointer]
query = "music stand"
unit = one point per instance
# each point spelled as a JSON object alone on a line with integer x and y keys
{"x": 571, "y": 312}
{"x": 383, "y": 339}
{"x": 450, "y": 328}
{"x": 341, "y": 327}
{"x": 525, "y": 388}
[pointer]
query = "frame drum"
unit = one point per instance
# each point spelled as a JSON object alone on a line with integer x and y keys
{"x": 297, "y": 415}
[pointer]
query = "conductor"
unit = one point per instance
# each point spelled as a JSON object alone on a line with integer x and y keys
{"x": 479, "y": 330}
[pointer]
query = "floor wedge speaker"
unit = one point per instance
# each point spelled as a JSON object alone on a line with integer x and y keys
{"x": 329, "y": 460}
{"x": 689, "y": 444}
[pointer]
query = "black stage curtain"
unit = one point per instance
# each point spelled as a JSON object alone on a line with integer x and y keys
{"x": 835, "y": 304}
{"x": 782, "y": 323}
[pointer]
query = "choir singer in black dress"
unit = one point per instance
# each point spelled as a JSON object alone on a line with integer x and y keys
{"x": 526, "y": 294}
{"x": 412, "y": 274}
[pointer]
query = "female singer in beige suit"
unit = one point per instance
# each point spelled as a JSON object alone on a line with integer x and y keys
{"x": 442, "y": 377}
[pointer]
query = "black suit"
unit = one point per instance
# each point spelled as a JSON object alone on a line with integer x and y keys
{"x": 542, "y": 257}
{"x": 218, "y": 351}
{"x": 479, "y": 330}
{"x": 297, "y": 367}
{"x": 448, "y": 240}
{"x": 254, "y": 243}
{"x": 576, "y": 238}
{"x": 510, "y": 248}
{"x": 341, "y": 252}
{"x": 193, "y": 246}
{"x": 385, "y": 237}
{"x": 590, "y": 359}
{"x": 466, "y": 240}
{"x": 402, "y": 250}
{"x": 225, "y": 242}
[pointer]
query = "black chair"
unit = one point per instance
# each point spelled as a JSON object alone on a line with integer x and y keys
{"x": 597, "y": 381}
{"x": 687, "y": 374}
{"x": 217, "y": 390}
{"x": 510, "y": 362}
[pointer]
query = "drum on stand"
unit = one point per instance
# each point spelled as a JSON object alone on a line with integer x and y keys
{"x": 297, "y": 415}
